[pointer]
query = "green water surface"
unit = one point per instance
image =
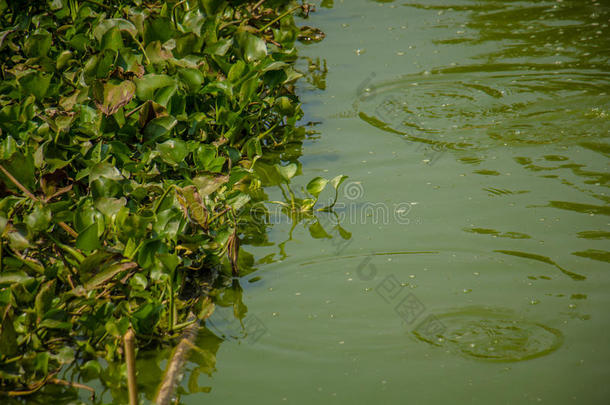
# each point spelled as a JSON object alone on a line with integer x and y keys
{"x": 472, "y": 266}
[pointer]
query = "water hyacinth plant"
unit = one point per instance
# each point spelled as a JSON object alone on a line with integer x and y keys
{"x": 134, "y": 135}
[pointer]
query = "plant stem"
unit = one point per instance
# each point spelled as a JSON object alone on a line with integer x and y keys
{"x": 130, "y": 359}
{"x": 279, "y": 18}
{"x": 257, "y": 5}
{"x": 18, "y": 184}
{"x": 179, "y": 356}
{"x": 31, "y": 196}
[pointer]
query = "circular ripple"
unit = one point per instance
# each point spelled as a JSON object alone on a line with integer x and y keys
{"x": 461, "y": 109}
{"x": 492, "y": 335}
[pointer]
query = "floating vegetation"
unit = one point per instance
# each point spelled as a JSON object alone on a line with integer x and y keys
{"x": 134, "y": 138}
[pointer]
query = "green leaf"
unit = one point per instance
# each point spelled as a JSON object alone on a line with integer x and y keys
{"x": 8, "y": 336}
{"x": 277, "y": 65}
{"x": 149, "y": 112}
{"x": 194, "y": 204}
{"x": 147, "y": 253}
{"x": 45, "y": 295}
{"x": 90, "y": 370}
{"x": 110, "y": 206}
{"x": 173, "y": 151}
{"x": 236, "y": 72}
{"x": 8, "y": 147}
{"x": 65, "y": 355}
{"x": 39, "y": 219}
{"x": 285, "y": 105}
{"x": 316, "y": 186}
{"x": 112, "y": 39}
{"x": 343, "y": 233}
{"x": 221, "y": 47}
{"x": 318, "y": 232}
{"x": 238, "y": 201}
{"x": 55, "y": 324}
{"x": 18, "y": 241}
{"x": 212, "y": 7}
{"x": 148, "y": 84}
{"x": 157, "y": 28}
{"x": 206, "y": 185}
{"x": 168, "y": 223}
{"x": 146, "y": 318}
{"x": 169, "y": 261}
{"x": 308, "y": 203}
{"x": 119, "y": 23}
{"x": 159, "y": 127}
{"x": 192, "y": 78}
{"x": 105, "y": 169}
{"x": 101, "y": 65}
{"x": 36, "y": 83}
{"x": 93, "y": 263}
{"x": 337, "y": 181}
{"x": 38, "y": 45}
{"x": 288, "y": 171}
{"x": 253, "y": 48}
{"x": 247, "y": 91}
{"x": 9, "y": 278}
{"x": 86, "y": 215}
{"x": 88, "y": 239}
{"x": 107, "y": 274}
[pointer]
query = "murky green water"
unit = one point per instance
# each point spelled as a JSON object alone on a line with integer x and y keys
{"x": 475, "y": 135}
{"x": 471, "y": 261}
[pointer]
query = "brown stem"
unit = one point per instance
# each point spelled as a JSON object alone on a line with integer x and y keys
{"x": 58, "y": 381}
{"x": 130, "y": 359}
{"x": 18, "y": 184}
{"x": 31, "y": 388}
{"x": 31, "y": 196}
{"x": 180, "y": 355}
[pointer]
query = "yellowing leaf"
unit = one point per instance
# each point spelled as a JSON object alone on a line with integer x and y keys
{"x": 110, "y": 97}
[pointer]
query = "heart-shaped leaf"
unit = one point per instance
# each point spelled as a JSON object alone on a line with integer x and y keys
{"x": 288, "y": 171}
{"x": 316, "y": 186}
{"x": 173, "y": 151}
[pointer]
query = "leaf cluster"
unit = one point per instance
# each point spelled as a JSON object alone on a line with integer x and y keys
{"x": 131, "y": 135}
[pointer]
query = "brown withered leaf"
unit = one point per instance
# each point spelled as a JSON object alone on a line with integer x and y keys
{"x": 149, "y": 111}
{"x": 206, "y": 185}
{"x": 192, "y": 205}
{"x": 109, "y": 97}
{"x": 233, "y": 252}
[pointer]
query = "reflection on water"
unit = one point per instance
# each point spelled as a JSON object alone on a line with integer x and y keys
{"x": 543, "y": 259}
